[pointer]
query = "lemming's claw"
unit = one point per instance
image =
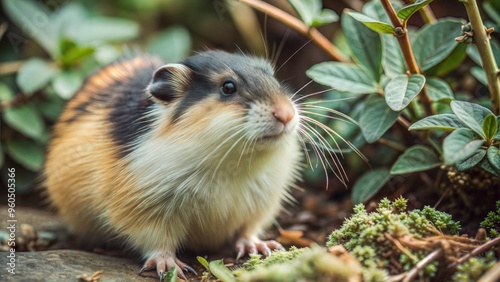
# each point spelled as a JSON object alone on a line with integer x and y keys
{"x": 164, "y": 262}
{"x": 245, "y": 246}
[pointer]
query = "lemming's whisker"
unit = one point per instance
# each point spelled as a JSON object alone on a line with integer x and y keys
{"x": 304, "y": 147}
{"x": 334, "y": 157}
{"x": 294, "y": 53}
{"x": 326, "y": 101}
{"x": 329, "y": 131}
{"x": 280, "y": 48}
{"x": 225, "y": 156}
{"x": 321, "y": 156}
{"x": 301, "y": 88}
{"x": 323, "y": 115}
{"x": 332, "y": 111}
{"x": 312, "y": 94}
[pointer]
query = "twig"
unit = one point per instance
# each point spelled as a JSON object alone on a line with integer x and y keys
{"x": 391, "y": 144}
{"x": 426, "y": 12}
{"x": 483, "y": 45}
{"x": 400, "y": 247}
{"x": 423, "y": 263}
{"x": 10, "y": 67}
{"x": 491, "y": 275}
{"x": 299, "y": 26}
{"x": 404, "y": 43}
{"x": 479, "y": 250}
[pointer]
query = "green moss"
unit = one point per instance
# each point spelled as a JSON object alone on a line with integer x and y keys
{"x": 307, "y": 264}
{"x": 492, "y": 222}
{"x": 474, "y": 268}
{"x": 365, "y": 234}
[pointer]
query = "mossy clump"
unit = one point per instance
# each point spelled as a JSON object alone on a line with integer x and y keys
{"x": 474, "y": 268}
{"x": 492, "y": 222}
{"x": 382, "y": 239}
{"x": 306, "y": 264}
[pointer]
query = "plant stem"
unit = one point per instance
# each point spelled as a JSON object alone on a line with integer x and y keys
{"x": 404, "y": 44}
{"x": 291, "y": 21}
{"x": 483, "y": 45}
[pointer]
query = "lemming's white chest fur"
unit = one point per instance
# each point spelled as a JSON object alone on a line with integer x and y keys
{"x": 216, "y": 181}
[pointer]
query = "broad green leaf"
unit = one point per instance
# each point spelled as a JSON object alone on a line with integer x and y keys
{"x": 343, "y": 77}
{"x": 25, "y": 119}
{"x": 365, "y": 44}
{"x": 325, "y": 17}
{"x": 416, "y": 158}
{"x": 471, "y": 115}
{"x": 479, "y": 74}
{"x": 219, "y": 270}
{"x": 6, "y": 94}
{"x": 490, "y": 126}
{"x": 76, "y": 54}
{"x": 203, "y": 262}
{"x": 487, "y": 166}
{"x": 401, "y": 90}
{"x": 102, "y": 29}
{"x": 171, "y": 275}
{"x": 492, "y": 8}
{"x": 392, "y": 58}
{"x": 448, "y": 122}
{"x": 35, "y": 20}
{"x": 371, "y": 23}
{"x": 450, "y": 63}
{"x": 307, "y": 9}
{"x": 51, "y": 107}
{"x": 376, "y": 119}
{"x": 178, "y": 41}
{"x": 436, "y": 41}
{"x": 438, "y": 89}
{"x": 106, "y": 54}
{"x": 473, "y": 160}
{"x": 25, "y": 152}
{"x": 460, "y": 145}
{"x": 494, "y": 157}
{"x": 369, "y": 184}
{"x": 406, "y": 12}
{"x": 66, "y": 83}
{"x": 34, "y": 74}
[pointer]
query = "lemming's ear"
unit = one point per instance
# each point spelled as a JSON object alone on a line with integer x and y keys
{"x": 169, "y": 82}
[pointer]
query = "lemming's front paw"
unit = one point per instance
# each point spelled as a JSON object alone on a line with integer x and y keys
{"x": 163, "y": 262}
{"x": 254, "y": 246}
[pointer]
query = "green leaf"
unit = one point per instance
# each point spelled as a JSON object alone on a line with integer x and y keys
{"x": 392, "y": 57}
{"x": 494, "y": 157}
{"x": 436, "y": 41}
{"x": 325, "y": 17}
{"x": 76, "y": 54}
{"x": 178, "y": 41}
{"x": 35, "y": 20}
{"x": 369, "y": 184}
{"x": 487, "y": 166}
{"x": 371, "y": 23}
{"x": 401, "y": 90}
{"x": 490, "y": 126}
{"x": 6, "y": 94}
{"x": 25, "y": 119}
{"x": 171, "y": 275}
{"x": 66, "y": 83}
{"x": 492, "y": 8}
{"x": 34, "y": 74}
{"x": 219, "y": 270}
{"x": 416, "y": 158}
{"x": 438, "y": 89}
{"x": 102, "y": 29}
{"x": 471, "y": 115}
{"x": 203, "y": 262}
{"x": 451, "y": 63}
{"x": 376, "y": 119}
{"x": 51, "y": 107}
{"x": 448, "y": 122}
{"x": 26, "y": 152}
{"x": 406, "y": 12}
{"x": 343, "y": 77}
{"x": 460, "y": 145}
{"x": 479, "y": 74}
{"x": 473, "y": 160}
{"x": 365, "y": 44}
{"x": 307, "y": 9}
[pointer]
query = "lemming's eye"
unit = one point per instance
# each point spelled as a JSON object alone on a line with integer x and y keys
{"x": 228, "y": 88}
